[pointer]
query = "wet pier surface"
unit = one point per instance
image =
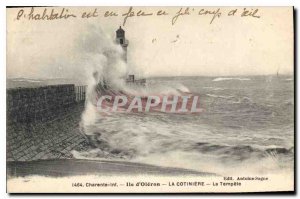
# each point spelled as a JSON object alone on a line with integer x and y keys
{"x": 72, "y": 167}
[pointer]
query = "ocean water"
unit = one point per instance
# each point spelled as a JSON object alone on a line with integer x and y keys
{"x": 247, "y": 126}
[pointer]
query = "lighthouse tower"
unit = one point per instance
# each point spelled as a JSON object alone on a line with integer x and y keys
{"x": 120, "y": 39}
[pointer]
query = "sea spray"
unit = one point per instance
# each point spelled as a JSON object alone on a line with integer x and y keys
{"x": 230, "y": 138}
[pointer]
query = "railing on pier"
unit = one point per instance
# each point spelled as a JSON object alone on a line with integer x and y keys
{"x": 80, "y": 92}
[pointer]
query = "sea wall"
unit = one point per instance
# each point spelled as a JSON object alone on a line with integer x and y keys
{"x": 26, "y": 105}
{"x": 43, "y": 123}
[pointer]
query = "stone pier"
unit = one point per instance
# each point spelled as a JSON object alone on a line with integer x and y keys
{"x": 43, "y": 123}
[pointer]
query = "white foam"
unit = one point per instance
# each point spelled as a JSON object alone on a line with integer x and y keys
{"x": 214, "y": 88}
{"x": 220, "y": 96}
{"x": 230, "y": 78}
{"x": 26, "y": 80}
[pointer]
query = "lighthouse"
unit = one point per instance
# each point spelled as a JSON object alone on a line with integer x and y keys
{"x": 120, "y": 39}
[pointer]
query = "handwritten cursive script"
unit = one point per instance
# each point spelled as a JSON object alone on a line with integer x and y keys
{"x": 50, "y": 14}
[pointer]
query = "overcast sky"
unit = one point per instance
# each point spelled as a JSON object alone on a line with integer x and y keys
{"x": 192, "y": 46}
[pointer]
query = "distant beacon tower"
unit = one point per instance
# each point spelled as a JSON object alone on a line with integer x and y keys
{"x": 120, "y": 39}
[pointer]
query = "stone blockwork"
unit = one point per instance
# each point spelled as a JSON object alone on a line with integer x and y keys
{"x": 43, "y": 123}
{"x": 26, "y": 105}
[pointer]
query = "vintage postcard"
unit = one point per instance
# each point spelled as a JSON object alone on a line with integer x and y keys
{"x": 150, "y": 99}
